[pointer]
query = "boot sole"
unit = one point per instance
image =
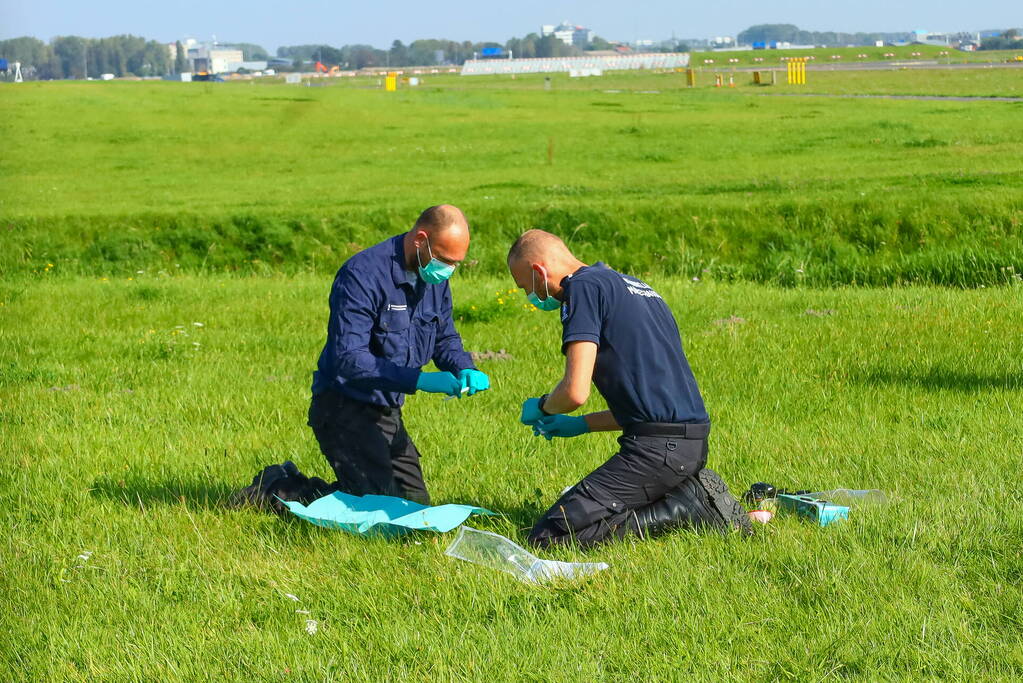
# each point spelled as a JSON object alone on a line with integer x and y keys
{"x": 724, "y": 503}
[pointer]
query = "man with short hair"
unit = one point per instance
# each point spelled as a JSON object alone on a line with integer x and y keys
{"x": 620, "y": 335}
{"x": 390, "y": 314}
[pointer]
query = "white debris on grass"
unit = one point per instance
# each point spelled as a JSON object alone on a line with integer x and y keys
{"x": 198, "y": 324}
{"x": 310, "y": 626}
{"x": 83, "y": 558}
{"x": 293, "y": 597}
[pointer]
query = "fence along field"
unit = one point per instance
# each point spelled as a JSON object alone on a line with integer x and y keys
{"x": 111, "y": 177}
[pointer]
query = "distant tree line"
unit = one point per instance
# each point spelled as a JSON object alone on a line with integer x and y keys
{"x": 425, "y": 52}
{"x": 433, "y": 52}
{"x": 789, "y": 33}
{"x": 76, "y": 57}
{"x": 1007, "y": 41}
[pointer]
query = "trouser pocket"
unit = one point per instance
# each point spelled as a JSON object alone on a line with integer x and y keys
{"x": 665, "y": 462}
{"x": 685, "y": 457}
{"x": 584, "y": 506}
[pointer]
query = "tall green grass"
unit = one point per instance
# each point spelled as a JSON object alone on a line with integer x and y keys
{"x": 125, "y": 426}
{"x": 790, "y": 244}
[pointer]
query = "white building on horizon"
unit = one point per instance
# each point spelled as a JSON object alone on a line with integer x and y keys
{"x": 212, "y": 58}
{"x": 570, "y": 35}
{"x": 932, "y": 38}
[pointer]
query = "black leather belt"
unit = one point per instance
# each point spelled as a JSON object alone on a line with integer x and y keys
{"x": 676, "y": 429}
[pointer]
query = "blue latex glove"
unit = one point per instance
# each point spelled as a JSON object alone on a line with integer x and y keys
{"x": 439, "y": 383}
{"x": 565, "y": 426}
{"x": 474, "y": 380}
{"x": 531, "y": 413}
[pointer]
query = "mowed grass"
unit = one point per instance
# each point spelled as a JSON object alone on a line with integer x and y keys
{"x": 901, "y": 55}
{"x": 132, "y": 403}
{"x": 105, "y": 178}
{"x": 126, "y": 424}
{"x": 109, "y": 149}
{"x": 942, "y": 80}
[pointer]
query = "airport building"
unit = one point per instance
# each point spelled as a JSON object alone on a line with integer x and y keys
{"x": 577, "y": 36}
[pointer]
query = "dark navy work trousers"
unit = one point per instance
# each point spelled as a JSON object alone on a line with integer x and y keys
{"x": 367, "y": 447}
{"x": 625, "y": 496}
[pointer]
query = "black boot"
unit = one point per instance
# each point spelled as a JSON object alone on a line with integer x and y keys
{"x": 281, "y": 482}
{"x": 260, "y": 491}
{"x": 703, "y": 502}
{"x": 302, "y": 489}
{"x": 684, "y": 507}
{"x": 732, "y": 514}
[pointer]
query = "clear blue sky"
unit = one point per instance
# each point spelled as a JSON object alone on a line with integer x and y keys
{"x": 336, "y": 22}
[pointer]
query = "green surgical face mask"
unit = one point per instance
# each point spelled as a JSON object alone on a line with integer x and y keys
{"x": 548, "y": 304}
{"x": 435, "y": 271}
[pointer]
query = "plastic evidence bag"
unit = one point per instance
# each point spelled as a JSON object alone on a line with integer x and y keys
{"x": 851, "y": 497}
{"x": 492, "y": 550}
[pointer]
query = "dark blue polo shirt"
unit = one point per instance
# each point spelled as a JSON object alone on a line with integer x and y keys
{"x": 383, "y": 329}
{"x": 641, "y": 369}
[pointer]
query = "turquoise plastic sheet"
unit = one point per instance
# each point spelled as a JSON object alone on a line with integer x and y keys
{"x": 382, "y": 515}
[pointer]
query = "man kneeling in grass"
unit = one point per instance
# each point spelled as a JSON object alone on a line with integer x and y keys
{"x": 390, "y": 315}
{"x": 620, "y": 335}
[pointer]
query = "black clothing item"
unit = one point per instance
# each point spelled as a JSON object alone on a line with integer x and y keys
{"x": 721, "y": 499}
{"x": 641, "y": 369}
{"x": 261, "y": 491}
{"x": 653, "y": 484}
{"x": 281, "y": 482}
{"x": 685, "y": 506}
{"x": 301, "y": 488}
{"x": 367, "y": 447}
{"x": 683, "y": 431}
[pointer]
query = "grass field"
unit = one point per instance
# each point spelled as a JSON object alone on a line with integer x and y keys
{"x": 905, "y": 54}
{"x": 106, "y": 178}
{"x": 940, "y": 81}
{"x": 132, "y": 403}
{"x": 126, "y": 431}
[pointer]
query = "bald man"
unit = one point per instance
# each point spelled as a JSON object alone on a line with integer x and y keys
{"x": 620, "y": 335}
{"x": 390, "y": 314}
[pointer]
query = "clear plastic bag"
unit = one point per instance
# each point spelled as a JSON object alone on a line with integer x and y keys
{"x": 497, "y": 552}
{"x": 852, "y": 497}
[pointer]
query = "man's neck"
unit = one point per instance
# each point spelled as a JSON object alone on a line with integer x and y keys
{"x": 565, "y": 271}
{"x": 409, "y": 247}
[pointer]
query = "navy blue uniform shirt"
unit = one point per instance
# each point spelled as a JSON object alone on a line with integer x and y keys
{"x": 641, "y": 369}
{"x": 384, "y": 328}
